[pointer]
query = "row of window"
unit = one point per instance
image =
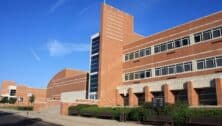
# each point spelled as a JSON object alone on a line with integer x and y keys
{"x": 138, "y": 75}
{"x": 95, "y": 45}
{"x": 172, "y": 44}
{"x": 172, "y": 69}
{"x": 209, "y": 63}
{"x": 198, "y": 37}
{"x": 208, "y": 34}
{"x": 176, "y": 68}
{"x": 138, "y": 53}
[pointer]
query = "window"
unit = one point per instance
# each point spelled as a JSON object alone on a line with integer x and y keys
{"x": 126, "y": 77}
{"x": 164, "y": 70}
{"x": 172, "y": 69}
{"x": 177, "y": 43}
{"x": 179, "y": 68}
{"x": 148, "y": 73}
{"x": 126, "y": 57}
{"x": 207, "y": 35}
{"x": 216, "y": 32}
{"x": 142, "y": 74}
{"x": 131, "y": 76}
{"x": 136, "y": 54}
{"x": 188, "y": 66}
{"x": 170, "y": 45}
{"x": 157, "y": 71}
{"x": 200, "y": 64}
{"x": 148, "y": 51}
{"x": 186, "y": 41}
{"x": 142, "y": 52}
{"x": 131, "y": 56}
{"x": 137, "y": 75}
{"x": 156, "y": 49}
{"x": 197, "y": 37}
{"x": 210, "y": 63}
{"x": 219, "y": 61}
{"x": 163, "y": 47}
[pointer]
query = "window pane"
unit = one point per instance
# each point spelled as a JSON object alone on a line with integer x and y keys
{"x": 172, "y": 69}
{"x": 131, "y": 76}
{"x": 126, "y": 77}
{"x": 142, "y": 52}
{"x": 148, "y": 51}
{"x": 170, "y": 45}
{"x": 177, "y": 43}
{"x": 131, "y": 56}
{"x": 148, "y": 73}
{"x": 216, "y": 33}
{"x": 126, "y": 57}
{"x": 163, "y": 47}
{"x": 188, "y": 66}
{"x": 207, "y": 35}
{"x": 164, "y": 70}
{"x": 186, "y": 41}
{"x": 210, "y": 63}
{"x": 142, "y": 74}
{"x": 200, "y": 64}
{"x": 157, "y": 71}
{"x": 156, "y": 49}
{"x": 137, "y": 75}
{"x": 136, "y": 54}
{"x": 179, "y": 68}
{"x": 197, "y": 37}
{"x": 219, "y": 61}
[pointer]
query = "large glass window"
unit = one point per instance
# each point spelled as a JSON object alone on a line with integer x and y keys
{"x": 148, "y": 73}
{"x": 200, "y": 64}
{"x": 216, "y": 32}
{"x": 197, "y": 37}
{"x": 164, "y": 70}
{"x": 136, "y": 54}
{"x": 126, "y": 77}
{"x": 95, "y": 63}
{"x": 156, "y": 49}
{"x": 12, "y": 92}
{"x": 142, "y": 74}
{"x": 163, "y": 47}
{"x": 93, "y": 83}
{"x": 185, "y": 41}
{"x": 131, "y": 76}
{"x": 95, "y": 45}
{"x": 126, "y": 57}
{"x": 177, "y": 43}
{"x": 142, "y": 52}
{"x": 131, "y": 56}
{"x": 219, "y": 61}
{"x": 179, "y": 68}
{"x": 188, "y": 66}
{"x": 148, "y": 51}
{"x": 137, "y": 75}
{"x": 210, "y": 63}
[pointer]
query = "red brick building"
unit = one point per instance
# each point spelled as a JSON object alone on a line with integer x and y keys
{"x": 183, "y": 63}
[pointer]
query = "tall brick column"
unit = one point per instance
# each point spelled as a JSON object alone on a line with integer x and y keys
{"x": 193, "y": 98}
{"x": 219, "y": 91}
{"x": 133, "y": 101}
{"x": 168, "y": 95}
{"x": 119, "y": 99}
{"x": 148, "y": 94}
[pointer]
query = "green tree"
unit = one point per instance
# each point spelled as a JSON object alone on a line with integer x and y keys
{"x": 32, "y": 99}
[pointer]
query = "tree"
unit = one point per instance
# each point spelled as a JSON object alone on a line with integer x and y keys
{"x": 4, "y": 100}
{"x": 12, "y": 100}
{"x": 32, "y": 99}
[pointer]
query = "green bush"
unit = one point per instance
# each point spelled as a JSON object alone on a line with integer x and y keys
{"x": 12, "y": 100}
{"x": 4, "y": 100}
{"x": 25, "y": 108}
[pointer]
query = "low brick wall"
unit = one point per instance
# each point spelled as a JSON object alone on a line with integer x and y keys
{"x": 44, "y": 105}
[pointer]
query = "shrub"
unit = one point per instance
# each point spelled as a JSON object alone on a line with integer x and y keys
{"x": 4, "y": 100}
{"x": 12, "y": 100}
{"x": 25, "y": 108}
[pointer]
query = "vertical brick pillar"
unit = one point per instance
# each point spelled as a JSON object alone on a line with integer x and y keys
{"x": 132, "y": 98}
{"x": 148, "y": 94}
{"x": 119, "y": 99}
{"x": 219, "y": 91}
{"x": 168, "y": 95}
{"x": 193, "y": 99}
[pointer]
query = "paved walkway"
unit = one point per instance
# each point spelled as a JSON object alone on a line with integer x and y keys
{"x": 72, "y": 120}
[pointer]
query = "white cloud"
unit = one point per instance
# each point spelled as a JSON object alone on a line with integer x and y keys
{"x": 56, "y": 5}
{"x": 57, "y": 48}
{"x": 35, "y": 55}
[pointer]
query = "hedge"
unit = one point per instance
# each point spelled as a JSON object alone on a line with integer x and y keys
{"x": 180, "y": 113}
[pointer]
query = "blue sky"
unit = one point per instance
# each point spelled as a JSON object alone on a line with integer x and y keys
{"x": 41, "y": 37}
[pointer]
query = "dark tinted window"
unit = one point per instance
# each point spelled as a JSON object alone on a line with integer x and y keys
{"x": 219, "y": 61}
{"x": 188, "y": 66}
{"x": 186, "y": 41}
{"x": 170, "y": 45}
{"x": 179, "y": 68}
{"x": 197, "y": 37}
{"x": 156, "y": 49}
{"x": 177, "y": 43}
{"x": 171, "y": 69}
{"x": 207, "y": 35}
{"x": 200, "y": 64}
{"x": 216, "y": 32}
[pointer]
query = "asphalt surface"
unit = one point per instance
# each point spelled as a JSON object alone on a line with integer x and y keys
{"x": 10, "y": 119}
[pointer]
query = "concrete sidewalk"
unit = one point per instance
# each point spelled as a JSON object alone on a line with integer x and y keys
{"x": 71, "y": 120}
